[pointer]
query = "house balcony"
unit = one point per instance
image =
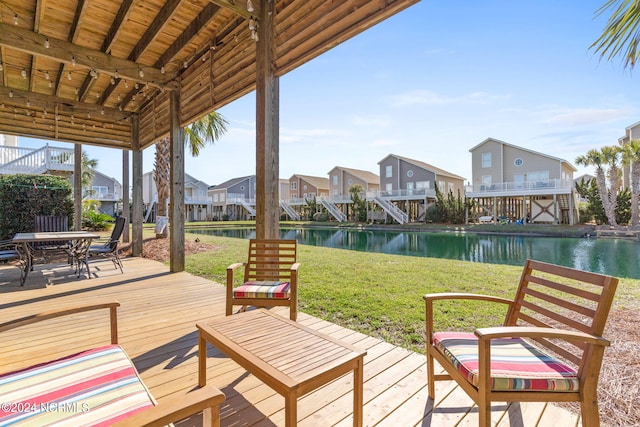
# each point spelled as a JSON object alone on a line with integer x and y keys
{"x": 104, "y": 197}
{"x": 415, "y": 194}
{"x": 522, "y": 188}
{"x": 156, "y": 327}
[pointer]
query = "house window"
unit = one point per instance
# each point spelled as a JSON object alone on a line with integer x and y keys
{"x": 389, "y": 171}
{"x": 486, "y": 183}
{"x": 350, "y": 182}
{"x": 222, "y": 197}
{"x": 388, "y": 187}
{"x": 294, "y": 185}
{"x": 215, "y": 197}
{"x": 409, "y": 187}
{"x": 519, "y": 180}
{"x": 409, "y": 173}
{"x": 441, "y": 186}
{"x": 423, "y": 185}
{"x": 486, "y": 160}
{"x": 99, "y": 190}
{"x": 304, "y": 187}
{"x": 242, "y": 188}
{"x": 335, "y": 179}
{"x": 518, "y": 161}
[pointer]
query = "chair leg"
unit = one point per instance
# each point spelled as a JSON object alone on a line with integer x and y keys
{"x": 430, "y": 374}
{"x": 589, "y": 411}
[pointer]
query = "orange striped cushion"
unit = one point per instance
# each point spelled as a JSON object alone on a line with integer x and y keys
{"x": 515, "y": 363}
{"x": 262, "y": 289}
{"x": 93, "y": 388}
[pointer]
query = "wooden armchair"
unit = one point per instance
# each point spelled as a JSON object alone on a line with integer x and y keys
{"x": 270, "y": 277}
{"x": 550, "y": 348}
{"x": 96, "y": 386}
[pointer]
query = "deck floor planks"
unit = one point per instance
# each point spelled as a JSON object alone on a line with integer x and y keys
{"x": 157, "y": 320}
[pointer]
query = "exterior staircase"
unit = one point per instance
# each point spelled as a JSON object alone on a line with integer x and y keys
{"x": 247, "y": 206}
{"x": 333, "y": 209}
{"x": 289, "y": 210}
{"x": 395, "y": 212}
{"x": 22, "y": 160}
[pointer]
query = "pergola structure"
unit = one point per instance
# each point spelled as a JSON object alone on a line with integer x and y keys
{"x": 125, "y": 73}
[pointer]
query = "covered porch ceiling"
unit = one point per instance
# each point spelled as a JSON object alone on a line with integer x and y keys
{"x": 77, "y": 70}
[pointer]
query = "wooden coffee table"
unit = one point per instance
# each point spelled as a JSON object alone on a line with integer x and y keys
{"x": 290, "y": 358}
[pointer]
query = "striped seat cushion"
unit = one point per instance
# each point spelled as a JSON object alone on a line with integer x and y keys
{"x": 93, "y": 388}
{"x": 515, "y": 363}
{"x": 262, "y": 289}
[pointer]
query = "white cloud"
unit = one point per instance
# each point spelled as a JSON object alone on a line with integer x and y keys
{"x": 583, "y": 116}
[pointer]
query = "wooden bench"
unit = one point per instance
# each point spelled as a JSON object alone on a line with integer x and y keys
{"x": 549, "y": 349}
{"x": 95, "y": 386}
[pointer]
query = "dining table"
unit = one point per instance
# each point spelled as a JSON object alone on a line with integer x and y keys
{"x": 78, "y": 242}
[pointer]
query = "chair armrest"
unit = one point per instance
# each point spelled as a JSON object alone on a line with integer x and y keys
{"x": 295, "y": 266}
{"x": 230, "y": 270}
{"x": 176, "y": 408}
{"x": 39, "y": 317}
{"x": 429, "y": 298}
{"x": 456, "y": 295}
{"x": 485, "y": 334}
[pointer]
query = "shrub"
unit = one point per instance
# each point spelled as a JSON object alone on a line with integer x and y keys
{"x": 22, "y": 197}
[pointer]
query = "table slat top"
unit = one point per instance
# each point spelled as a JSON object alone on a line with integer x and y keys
{"x": 287, "y": 351}
{"x": 53, "y": 235}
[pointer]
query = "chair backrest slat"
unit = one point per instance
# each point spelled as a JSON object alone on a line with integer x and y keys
{"x": 550, "y": 295}
{"x": 270, "y": 259}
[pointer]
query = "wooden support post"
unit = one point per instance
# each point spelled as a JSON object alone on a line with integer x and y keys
{"x": 77, "y": 186}
{"x": 125, "y": 194}
{"x": 176, "y": 208}
{"x": 136, "y": 245}
{"x": 267, "y": 128}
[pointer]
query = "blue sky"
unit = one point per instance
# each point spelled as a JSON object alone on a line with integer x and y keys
{"x": 430, "y": 83}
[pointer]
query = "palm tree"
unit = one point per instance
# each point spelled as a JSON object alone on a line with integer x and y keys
{"x": 595, "y": 158}
{"x": 631, "y": 157}
{"x": 88, "y": 171}
{"x": 611, "y": 156}
{"x": 206, "y": 130}
{"x": 621, "y": 35}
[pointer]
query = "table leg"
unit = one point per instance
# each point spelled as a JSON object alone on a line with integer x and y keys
{"x": 28, "y": 265}
{"x": 358, "y": 377}
{"x": 290, "y": 410}
{"x": 202, "y": 360}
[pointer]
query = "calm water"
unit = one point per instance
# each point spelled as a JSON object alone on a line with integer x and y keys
{"x": 615, "y": 257}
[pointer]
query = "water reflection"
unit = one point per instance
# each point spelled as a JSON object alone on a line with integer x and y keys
{"x": 609, "y": 256}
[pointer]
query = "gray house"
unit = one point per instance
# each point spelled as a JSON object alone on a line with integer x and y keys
{"x": 341, "y": 180}
{"x": 197, "y": 203}
{"x": 407, "y": 187}
{"x": 234, "y": 199}
{"x": 106, "y": 190}
{"x": 515, "y": 183}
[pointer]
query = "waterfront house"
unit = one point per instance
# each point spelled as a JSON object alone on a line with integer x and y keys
{"x": 197, "y": 203}
{"x": 108, "y": 191}
{"x": 513, "y": 183}
{"x": 234, "y": 199}
{"x": 305, "y": 190}
{"x": 407, "y": 187}
{"x": 341, "y": 180}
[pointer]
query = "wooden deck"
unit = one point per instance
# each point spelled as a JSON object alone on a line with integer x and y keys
{"x": 157, "y": 328}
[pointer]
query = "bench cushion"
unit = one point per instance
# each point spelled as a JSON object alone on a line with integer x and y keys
{"x": 515, "y": 363}
{"x": 91, "y": 388}
{"x": 262, "y": 289}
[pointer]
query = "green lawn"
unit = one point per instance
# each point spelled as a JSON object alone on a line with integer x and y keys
{"x": 381, "y": 295}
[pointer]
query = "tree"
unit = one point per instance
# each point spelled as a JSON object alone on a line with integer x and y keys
{"x": 359, "y": 204}
{"x": 595, "y": 158}
{"x": 206, "y": 130}
{"x": 621, "y": 34}
{"x": 631, "y": 157}
{"x": 611, "y": 156}
{"x": 88, "y": 172}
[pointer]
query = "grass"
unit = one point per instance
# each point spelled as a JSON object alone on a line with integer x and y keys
{"x": 381, "y": 295}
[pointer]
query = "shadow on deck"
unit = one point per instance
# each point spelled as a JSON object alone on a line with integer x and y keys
{"x": 157, "y": 320}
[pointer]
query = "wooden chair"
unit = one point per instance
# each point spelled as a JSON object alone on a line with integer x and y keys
{"x": 270, "y": 277}
{"x": 96, "y": 386}
{"x": 550, "y": 347}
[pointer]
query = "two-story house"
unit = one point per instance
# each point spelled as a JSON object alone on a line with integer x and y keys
{"x": 305, "y": 190}
{"x": 515, "y": 183}
{"x": 407, "y": 187}
{"x": 197, "y": 204}
{"x": 234, "y": 199}
{"x": 341, "y": 180}
{"x": 106, "y": 190}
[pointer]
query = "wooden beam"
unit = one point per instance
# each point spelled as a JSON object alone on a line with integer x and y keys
{"x": 267, "y": 128}
{"x": 77, "y": 187}
{"x": 176, "y": 212}
{"x": 136, "y": 167}
{"x": 125, "y": 195}
{"x": 240, "y": 10}
{"x": 116, "y": 25}
{"x": 152, "y": 32}
{"x": 65, "y": 106}
{"x": 3, "y": 73}
{"x": 73, "y": 36}
{"x": 63, "y": 51}
{"x": 202, "y": 20}
{"x": 36, "y": 28}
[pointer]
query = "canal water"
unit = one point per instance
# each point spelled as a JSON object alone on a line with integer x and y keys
{"x": 615, "y": 257}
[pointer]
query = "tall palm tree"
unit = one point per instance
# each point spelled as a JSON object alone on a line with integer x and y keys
{"x": 631, "y": 157}
{"x": 88, "y": 170}
{"x": 595, "y": 158}
{"x": 621, "y": 34}
{"x": 196, "y": 136}
{"x": 611, "y": 156}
